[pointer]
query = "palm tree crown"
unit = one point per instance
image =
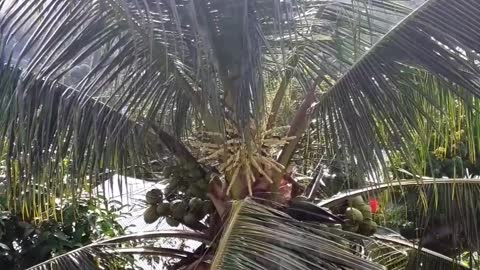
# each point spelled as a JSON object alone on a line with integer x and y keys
{"x": 95, "y": 87}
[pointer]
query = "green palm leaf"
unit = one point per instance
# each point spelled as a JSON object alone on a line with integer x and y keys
{"x": 263, "y": 238}
{"x": 399, "y": 254}
{"x": 111, "y": 253}
{"x": 446, "y": 209}
{"x": 378, "y": 188}
{"x": 371, "y": 110}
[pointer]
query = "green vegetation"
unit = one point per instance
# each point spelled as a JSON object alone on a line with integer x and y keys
{"x": 26, "y": 242}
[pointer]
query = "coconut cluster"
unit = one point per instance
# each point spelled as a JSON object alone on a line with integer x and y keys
{"x": 185, "y": 180}
{"x": 358, "y": 217}
{"x": 176, "y": 211}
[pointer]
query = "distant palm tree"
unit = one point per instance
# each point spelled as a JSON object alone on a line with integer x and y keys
{"x": 163, "y": 72}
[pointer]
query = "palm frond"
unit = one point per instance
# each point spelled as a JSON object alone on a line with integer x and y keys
{"x": 399, "y": 184}
{"x": 83, "y": 145}
{"x": 112, "y": 253}
{"x": 175, "y": 46}
{"x": 260, "y": 237}
{"x": 90, "y": 258}
{"x": 395, "y": 253}
{"x": 446, "y": 210}
{"x": 334, "y": 36}
{"x": 371, "y": 110}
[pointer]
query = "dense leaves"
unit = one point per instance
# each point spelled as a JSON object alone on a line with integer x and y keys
{"x": 372, "y": 107}
{"x": 24, "y": 243}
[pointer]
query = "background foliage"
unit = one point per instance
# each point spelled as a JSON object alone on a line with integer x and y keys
{"x": 27, "y": 242}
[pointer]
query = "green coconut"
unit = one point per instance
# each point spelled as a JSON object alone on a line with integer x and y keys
{"x": 172, "y": 222}
{"x": 356, "y": 201}
{"x": 154, "y": 196}
{"x": 163, "y": 209}
{"x": 190, "y": 219}
{"x": 150, "y": 215}
{"x": 354, "y": 215}
{"x": 178, "y": 208}
{"x": 368, "y": 227}
{"x": 195, "y": 204}
{"x": 170, "y": 190}
{"x": 366, "y": 211}
{"x": 349, "y": 227}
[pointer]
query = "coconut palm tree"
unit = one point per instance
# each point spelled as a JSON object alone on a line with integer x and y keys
{"x": 96, "y": 87}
